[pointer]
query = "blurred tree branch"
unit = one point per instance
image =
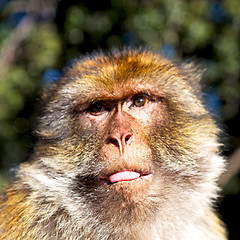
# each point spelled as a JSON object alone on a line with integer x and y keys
{"x": 35, "y": 11}
{"x": 13, "y": 42}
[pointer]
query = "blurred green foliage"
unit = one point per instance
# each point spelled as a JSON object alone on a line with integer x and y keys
{"x": 209, "y": 30}
{"x": 38, "y": 52}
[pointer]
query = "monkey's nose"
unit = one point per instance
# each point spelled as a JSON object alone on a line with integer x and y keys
{"x": 121, "y": 140}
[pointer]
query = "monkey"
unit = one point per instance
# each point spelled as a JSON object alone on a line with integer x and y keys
{"x": 125, "y": 150}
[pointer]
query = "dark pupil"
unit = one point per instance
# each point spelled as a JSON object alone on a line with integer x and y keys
{"x": 97, "y": 107}
{"x": 139, "y": 102}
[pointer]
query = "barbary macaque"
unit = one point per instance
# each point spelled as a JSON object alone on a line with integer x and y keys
{"x": 125, "y": 150}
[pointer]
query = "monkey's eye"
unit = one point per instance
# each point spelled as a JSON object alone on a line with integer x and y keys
{"x": 97, "y": 108}
{"x": 140, "y": 101}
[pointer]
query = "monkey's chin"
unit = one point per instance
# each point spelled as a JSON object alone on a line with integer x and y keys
{"x": 127, "y": 186}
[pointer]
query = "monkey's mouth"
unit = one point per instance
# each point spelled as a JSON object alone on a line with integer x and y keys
{"x": 124, "y": 176}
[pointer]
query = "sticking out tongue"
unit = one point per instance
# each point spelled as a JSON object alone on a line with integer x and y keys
{"x": 124, "y": 176}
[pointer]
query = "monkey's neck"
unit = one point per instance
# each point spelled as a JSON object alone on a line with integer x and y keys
{"x": 52, "y": 220}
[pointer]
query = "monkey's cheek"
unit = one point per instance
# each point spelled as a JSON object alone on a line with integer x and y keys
{"x": 129, "y": 192}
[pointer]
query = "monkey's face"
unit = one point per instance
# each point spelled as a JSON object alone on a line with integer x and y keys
{"x": 122, "y": 124}
{"x": 128, "y": 130}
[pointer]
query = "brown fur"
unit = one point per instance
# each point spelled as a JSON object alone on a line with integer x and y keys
{"x": 61, "y": 194}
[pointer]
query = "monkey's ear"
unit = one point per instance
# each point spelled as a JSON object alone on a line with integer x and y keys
{"x": 193, "y": 73}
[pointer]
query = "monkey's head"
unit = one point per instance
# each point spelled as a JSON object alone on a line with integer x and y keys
{"x": 127, "y": 133}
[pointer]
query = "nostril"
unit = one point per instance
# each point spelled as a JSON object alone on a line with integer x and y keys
{"x": 115, "y": 140}
{"x": 127, "y": 138}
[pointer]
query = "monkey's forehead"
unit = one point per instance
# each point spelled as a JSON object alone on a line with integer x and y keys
{"x": 119, "y": 74}
{"x": 119, "y": 67}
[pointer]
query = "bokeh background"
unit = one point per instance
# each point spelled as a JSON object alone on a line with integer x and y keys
{"x": 37, "y": 38}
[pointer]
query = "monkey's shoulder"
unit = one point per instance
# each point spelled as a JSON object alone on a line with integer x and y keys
{"x": 16, "y": 214}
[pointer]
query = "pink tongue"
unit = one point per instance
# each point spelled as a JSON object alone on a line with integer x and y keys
{"x": 124, "y": 176}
